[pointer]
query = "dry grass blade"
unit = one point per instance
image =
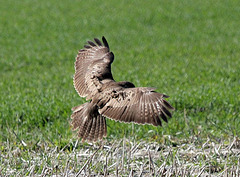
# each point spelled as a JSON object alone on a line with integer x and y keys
{"x": 234, "y": 140}
{"x": 142, "y": 168}
{"x": 151, "y": 165}
{"x": 66, "y": 168}
{"x": 201, "y": 171}
{"x": 106, "y": 164}
{"x": 88, "y": 161}
{"x": 123, "y": 154}
{"x": 131, "y": 173}
{"x": 21, "y": 141}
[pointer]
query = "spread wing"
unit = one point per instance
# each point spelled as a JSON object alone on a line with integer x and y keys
{"x": 139, "y": 105}
{"x": 93, "y": 64}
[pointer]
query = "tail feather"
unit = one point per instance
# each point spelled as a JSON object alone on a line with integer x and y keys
{"x": 96, "y": 134}
{"x": 83, "y": 126}
{"x": 92, "y": 130}
{"x": 90, "y": 124}
{"x": 86, "y": 134}
{"x": 101, "y": 128}
{"x": 104, "y": 127}
{"x": 76, "y": 122}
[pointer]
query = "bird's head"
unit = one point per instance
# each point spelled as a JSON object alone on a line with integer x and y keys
{"x": 126, "y": 84}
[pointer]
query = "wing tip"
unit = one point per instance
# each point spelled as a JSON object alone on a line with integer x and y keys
{"x": 97, "y": 43}
{"x": 91, "y": 43}
{"x": 105, "y": 42}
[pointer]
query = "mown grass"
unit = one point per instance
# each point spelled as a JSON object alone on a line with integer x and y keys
{"x": 188, "y": 50}
{"x": 124, "y": 158}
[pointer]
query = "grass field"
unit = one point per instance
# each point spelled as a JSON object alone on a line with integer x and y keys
{"x": 187, "y": 49}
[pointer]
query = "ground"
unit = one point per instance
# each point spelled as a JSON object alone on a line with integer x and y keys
{"x": 186, "y": 49}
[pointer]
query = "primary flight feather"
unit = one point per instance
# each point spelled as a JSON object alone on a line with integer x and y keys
{"x": 120, "y": 101}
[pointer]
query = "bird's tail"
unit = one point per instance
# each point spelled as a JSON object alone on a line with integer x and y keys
{"x": 90, "y": 124}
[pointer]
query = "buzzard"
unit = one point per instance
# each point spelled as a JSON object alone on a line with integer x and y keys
{"x": 120, "y": 101}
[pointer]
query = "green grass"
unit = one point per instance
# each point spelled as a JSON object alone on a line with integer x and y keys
{"x": 188, "y": 50}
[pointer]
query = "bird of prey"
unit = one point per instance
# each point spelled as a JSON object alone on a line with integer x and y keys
{"x": 120, "y": 101}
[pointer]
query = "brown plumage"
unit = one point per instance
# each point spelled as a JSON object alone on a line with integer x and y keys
{"x": 120, "y": 101}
